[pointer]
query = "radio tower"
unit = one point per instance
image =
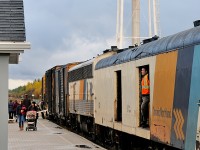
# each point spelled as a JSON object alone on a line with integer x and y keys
{"x": 153, "y": 6}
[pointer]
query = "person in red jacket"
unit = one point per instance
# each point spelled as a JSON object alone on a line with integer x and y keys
{"x": 21, "y": 111}
{"x": 145, "y": 97}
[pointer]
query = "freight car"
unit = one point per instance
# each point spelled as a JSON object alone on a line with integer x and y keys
{"x": 63, "y": 90}
{"x": 50, "y": 90}
{"x": 104, "y": 94}
{"x": 55, "y": 91}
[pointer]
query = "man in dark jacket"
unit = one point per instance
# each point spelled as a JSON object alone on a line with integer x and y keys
{"x": 26, "y": 102}
{"x": 10, "y": 109}
{"x": 15, "y": 108}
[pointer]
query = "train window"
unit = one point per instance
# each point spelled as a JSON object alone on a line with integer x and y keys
{"x": 81, "y": 73}
{"x": 118, "y": 102}
{"x": 144, "y": 95}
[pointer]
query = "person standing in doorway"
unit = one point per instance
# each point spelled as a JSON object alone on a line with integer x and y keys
{"x": 145, "y": 91}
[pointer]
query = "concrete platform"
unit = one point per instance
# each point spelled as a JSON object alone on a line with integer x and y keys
{"x": 48, "y": 136}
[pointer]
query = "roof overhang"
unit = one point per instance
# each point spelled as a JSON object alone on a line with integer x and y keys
{"x": 13, "y": 49}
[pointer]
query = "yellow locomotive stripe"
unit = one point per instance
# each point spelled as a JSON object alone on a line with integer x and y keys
{"x": 178, "y": 125}
{"x": 175, "y": 124}
{"x": 181, "y": 124}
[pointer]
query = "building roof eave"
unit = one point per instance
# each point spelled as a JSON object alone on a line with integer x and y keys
{"x": 13, "y": 49}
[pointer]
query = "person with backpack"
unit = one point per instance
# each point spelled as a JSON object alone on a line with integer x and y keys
{"x": 42, "y": 108}
{"x": 15, "y": 104}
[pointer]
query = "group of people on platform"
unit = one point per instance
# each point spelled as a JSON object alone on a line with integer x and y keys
{"x": 19, "y": 109}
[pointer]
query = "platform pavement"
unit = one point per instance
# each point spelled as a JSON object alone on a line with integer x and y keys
{"x": 48, "y": 136}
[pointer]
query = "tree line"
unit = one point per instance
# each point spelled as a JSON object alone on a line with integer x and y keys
{"x": 31, "y": 88}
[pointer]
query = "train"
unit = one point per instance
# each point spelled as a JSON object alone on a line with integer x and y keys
{"x": 101, "y": 97}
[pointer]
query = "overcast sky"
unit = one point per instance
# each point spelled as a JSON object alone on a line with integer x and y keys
{"x": 63, "y": 31}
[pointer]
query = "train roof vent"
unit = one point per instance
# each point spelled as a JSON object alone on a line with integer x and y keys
{"x": 133, "y": 46}
{"x": 150, "y": 39}
{"x": 196, "y": 23}
{"x": 113, "y": 48}
{"x": 105, "y": 51}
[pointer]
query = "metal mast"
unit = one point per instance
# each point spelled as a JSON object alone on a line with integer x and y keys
{"x": 153, "y": 29}
{"x": 156, "y": 17}
{"x": 149, "y": 18}
{"x": 136, "y": 21}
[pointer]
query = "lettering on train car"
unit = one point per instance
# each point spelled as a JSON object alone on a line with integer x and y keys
{"x": 162, "y": 112}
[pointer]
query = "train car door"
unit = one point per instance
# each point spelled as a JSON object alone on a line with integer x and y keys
{"x": 57, "y": 89}
{"x": 118, "y": 101}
